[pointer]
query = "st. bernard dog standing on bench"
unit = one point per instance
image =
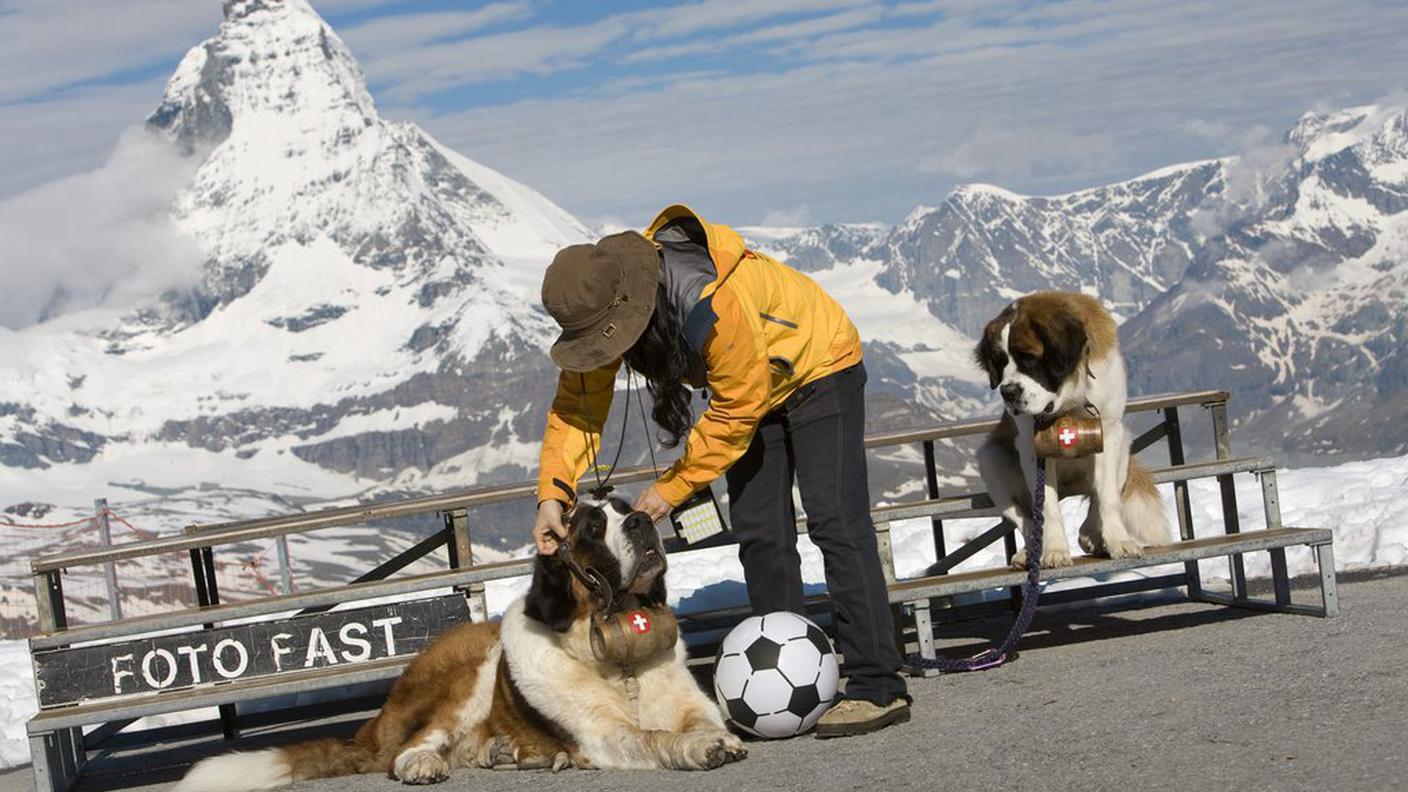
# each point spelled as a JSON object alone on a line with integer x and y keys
{"x": 527, "y": 691}
{"x": 1049, "y": 354}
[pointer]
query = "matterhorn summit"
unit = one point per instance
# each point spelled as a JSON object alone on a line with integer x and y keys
{"x": 363, "y": 311}
{"x": 297, "y": 153}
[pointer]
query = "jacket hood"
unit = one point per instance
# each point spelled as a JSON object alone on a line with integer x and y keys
{"x": 725, "y": 246}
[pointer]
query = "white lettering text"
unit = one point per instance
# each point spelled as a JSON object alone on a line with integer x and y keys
{"x": 193, "y": 652}
{"x": 219, "y": 653}
{"x": 279, "y": 649}
{"x": 364, "y": 646}
{"x": 386, "y": 625}
{"x": 169, "y": 659}
{"x": 318, "y": 646}
{"x": 119, "y": 673}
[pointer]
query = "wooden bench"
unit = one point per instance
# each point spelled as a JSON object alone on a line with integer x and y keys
{"x": 70, "y": 700}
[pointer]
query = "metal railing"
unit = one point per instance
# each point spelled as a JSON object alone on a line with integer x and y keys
{"x": 200, "y": 540}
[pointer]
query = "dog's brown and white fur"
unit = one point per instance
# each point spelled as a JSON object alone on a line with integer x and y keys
{"x": 526, "y": 691}
{"x": 1048, "y": 354}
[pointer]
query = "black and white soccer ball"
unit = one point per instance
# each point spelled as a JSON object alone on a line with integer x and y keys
{"x": 775, "y": 675}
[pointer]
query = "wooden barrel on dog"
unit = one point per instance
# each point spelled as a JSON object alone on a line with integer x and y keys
{"x": 629, "y": 637}
{"x": 1069, "y": 437}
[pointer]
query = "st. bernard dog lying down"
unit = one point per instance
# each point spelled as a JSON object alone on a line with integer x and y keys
{"x": 1048, "y": 354}
{"x": 526, "y": 691}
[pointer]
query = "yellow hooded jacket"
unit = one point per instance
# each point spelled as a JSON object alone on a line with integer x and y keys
{"x": 771, "y": 330}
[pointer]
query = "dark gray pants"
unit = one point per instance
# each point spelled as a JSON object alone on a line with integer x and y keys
{"x": 816, "y": 436}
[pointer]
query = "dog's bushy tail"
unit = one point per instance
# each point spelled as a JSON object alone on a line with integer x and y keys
{"x": 246, "y": 771}
{"x": 1143, "y": 508}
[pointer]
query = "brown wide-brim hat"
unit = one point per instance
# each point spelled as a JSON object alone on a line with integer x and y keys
{"x": 602, "y": 297}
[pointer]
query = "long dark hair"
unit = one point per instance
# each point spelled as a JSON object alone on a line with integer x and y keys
{"x": 663, "y": 357}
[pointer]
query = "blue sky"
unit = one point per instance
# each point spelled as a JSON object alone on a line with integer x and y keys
{"x": 755, "y": 111}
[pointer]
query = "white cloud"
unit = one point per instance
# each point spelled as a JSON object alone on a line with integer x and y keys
{"x": 797, "y": 216}
{"x": 1253, "y": 179}
{"x": 413, "y": 72}
{"x": 415, "y": 69}
{"x": 101, "y": 238}
{"x": 1014, "y": 153}
{"x": 324, "y": 6}
{"x": 791, "y": 34}
{"x": 845, "y": 129}
{"x": 42, "y": 141}
{"x": 50, "y": 44}
{"x": 825, "y": 106}
{"x": 684, "y": 19}
{"x": 391, "y": 33}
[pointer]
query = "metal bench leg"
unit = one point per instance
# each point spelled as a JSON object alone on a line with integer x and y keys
{"x": 887, "y": 565}
{"x": 1230, "y": 518}
{"x": 68, "y": 757}
{"x": 1271, "y": 503}
{"x": 77, "y": 749}
{"x": 42, "y": 755}
{"x": 1329, "y": 591}
{"x": 1280, "y": 578}
{"x": 924, "y": 635}
{"x": 1173, "y": 434}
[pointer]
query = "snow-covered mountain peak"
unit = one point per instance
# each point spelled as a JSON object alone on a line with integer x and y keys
{"x": 1319, "y": 135}
{"x": 273, "y": 58}
{"x": 366, "y": 308}
{"x": 980, "y": 191}
{"x": 293, "y": 151}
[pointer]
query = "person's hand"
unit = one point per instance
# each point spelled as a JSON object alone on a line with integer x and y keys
{"x": 548, "y": 529}
{"x": 652, "y": 504}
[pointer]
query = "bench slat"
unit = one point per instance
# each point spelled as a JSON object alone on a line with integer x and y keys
{"x": 975, "y": 426}
{"x": 980, "y": 505}
{"x": 1084, "y": 566}
{"x": 210, "y": 695}
{"x": 127, "y": 628}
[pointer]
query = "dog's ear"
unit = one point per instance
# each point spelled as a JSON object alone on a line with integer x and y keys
{"x": 989, "y": 354}
{"x": 550, "y": 599}
{"x": 1063, "y": 337}
{"x": 985, "y": 356}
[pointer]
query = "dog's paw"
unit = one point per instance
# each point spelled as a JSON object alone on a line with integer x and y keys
{"x": 421, "y": 766}
{"x": 561, "y": 762}
{"x": 497, "y": 751}
{"x": 734, "y": 749}
{"x": 1125, "y": 548}
{"x": 1090, "y": 545}
{"x": 1050, "y": 558}
{"x": 528, "y": 761}
{"x": 1090, "y": 539}
{"x": 700, "y": 752}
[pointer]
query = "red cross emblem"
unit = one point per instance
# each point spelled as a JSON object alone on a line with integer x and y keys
{"x": 1067, "y": 436}
{"x": 640, "y": 622}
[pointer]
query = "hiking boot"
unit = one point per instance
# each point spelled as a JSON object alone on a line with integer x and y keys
{"x": 858, "y": 716}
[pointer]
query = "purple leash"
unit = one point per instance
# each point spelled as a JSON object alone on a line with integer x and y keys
{"x": 991, "y": 658}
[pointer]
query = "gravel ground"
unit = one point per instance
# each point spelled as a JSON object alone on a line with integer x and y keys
{"x": 1167, "y": 695}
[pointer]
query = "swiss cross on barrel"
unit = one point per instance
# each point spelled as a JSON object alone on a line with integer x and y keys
{"x": 1067, "y": 437}
{"x": 640, "y": 622}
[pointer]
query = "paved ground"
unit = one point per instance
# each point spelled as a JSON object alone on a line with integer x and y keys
{"x": 1164, "y": 696}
